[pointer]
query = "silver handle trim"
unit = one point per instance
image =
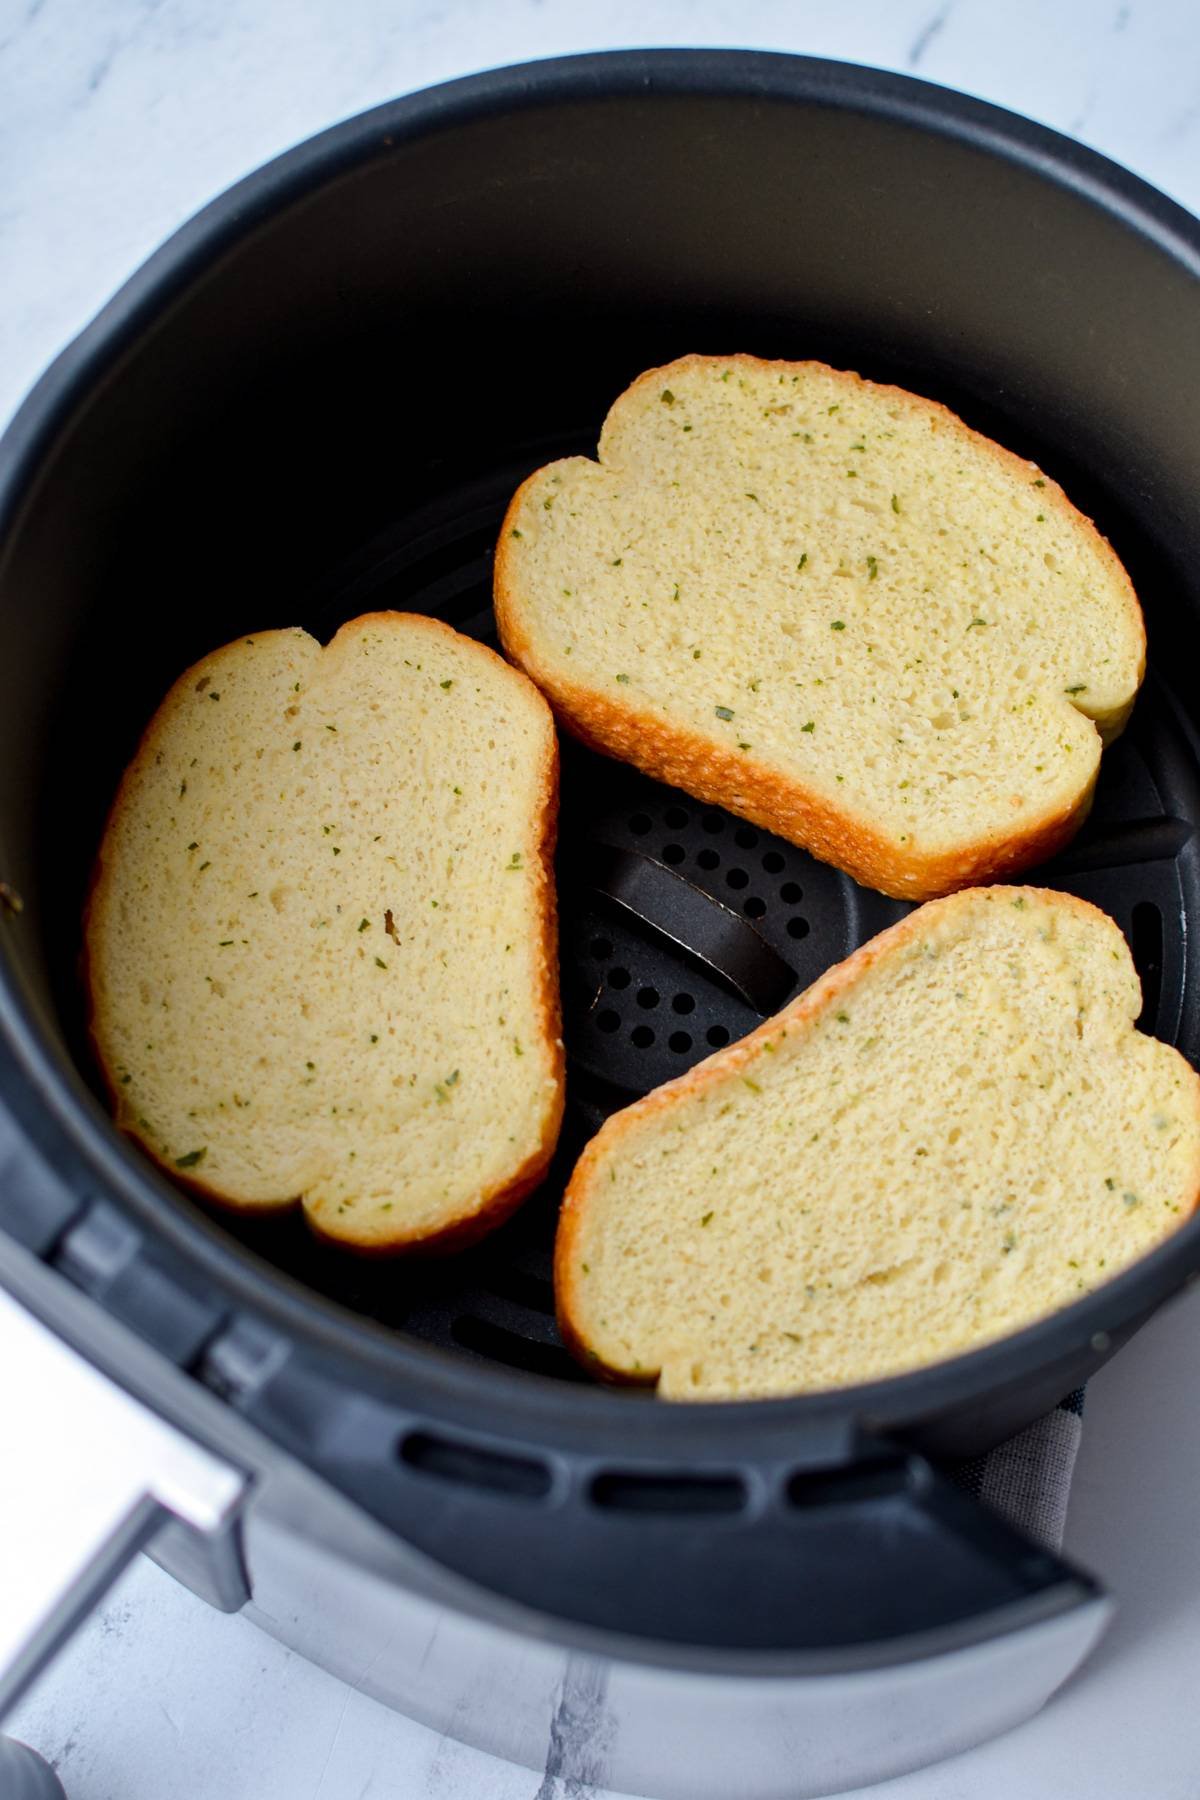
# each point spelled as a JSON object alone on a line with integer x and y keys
{"x": 87, "y": 1478}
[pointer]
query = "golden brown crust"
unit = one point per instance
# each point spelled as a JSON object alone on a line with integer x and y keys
{"x": 799, "y": 1015}
{"x": 489, "y": 1209}
{"x": 753, "y": 789}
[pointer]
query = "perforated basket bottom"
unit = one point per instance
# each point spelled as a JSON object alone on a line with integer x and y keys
{"x": 638, "y": 1006}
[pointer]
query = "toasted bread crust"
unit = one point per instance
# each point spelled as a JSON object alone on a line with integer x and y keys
{"x": 751, "y": 787}
{"x": 799, "y": 1016}
{"x": 489, "y": 1209}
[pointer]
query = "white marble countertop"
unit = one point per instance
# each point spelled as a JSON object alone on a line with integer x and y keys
{"x": 117, "y": 119}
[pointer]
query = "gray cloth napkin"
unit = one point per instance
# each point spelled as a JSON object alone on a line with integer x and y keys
{"x": 1028, "y": 1479}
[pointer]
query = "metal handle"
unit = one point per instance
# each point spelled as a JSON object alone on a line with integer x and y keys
{"x": 88, "y": 1477}
{"x": 691, "y": 920}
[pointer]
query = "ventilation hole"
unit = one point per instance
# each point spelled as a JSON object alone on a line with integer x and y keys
{"x": 737, "y": 878}
{"x": 745, "y": 837}
{"x": 797, "y": 927}
{"x": 635, "y": 1492}
{"x": 608, "y": 1020}
{"x": 789, "y": 893}
{"x": 683, "y": 1003}
{"x": 712, "y": 823}
{"x": 872, "y": 1480}
{"x": 708, "y": 859}
{"x": 675, "y": 817}
{"x": 1146, "y": 942}
{"x": 514, "y": 1351}
{"x": 717, "y": 1035}
{"x": 754, "y": 908}
{"x": 640, "y": 824}
{"x": 673, "y": 853}
{"x": 680, "y": 1042}
{"x": 470, "y": 1466}
{"x": 647, "y": 997}
{"x": 773, "y": 863}
{"x": 641, "y": 1037}
{"x": 618, "y": 978}
{"x": 601, "y": 948}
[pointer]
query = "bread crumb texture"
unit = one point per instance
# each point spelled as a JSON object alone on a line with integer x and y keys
{"x": 950, "y": 1135}
{"x": 833, "y": 608}
{"x": 320, "y": 942}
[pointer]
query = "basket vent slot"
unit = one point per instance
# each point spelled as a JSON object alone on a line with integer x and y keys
{"x": 470, "y": 1465}
{"x": 633, "y": 1492}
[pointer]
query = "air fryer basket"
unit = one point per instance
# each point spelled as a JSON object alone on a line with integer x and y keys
{"x": 316, "y": 401}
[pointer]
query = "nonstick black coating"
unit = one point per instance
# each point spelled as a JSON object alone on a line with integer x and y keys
{"x": 317, "y": 399}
